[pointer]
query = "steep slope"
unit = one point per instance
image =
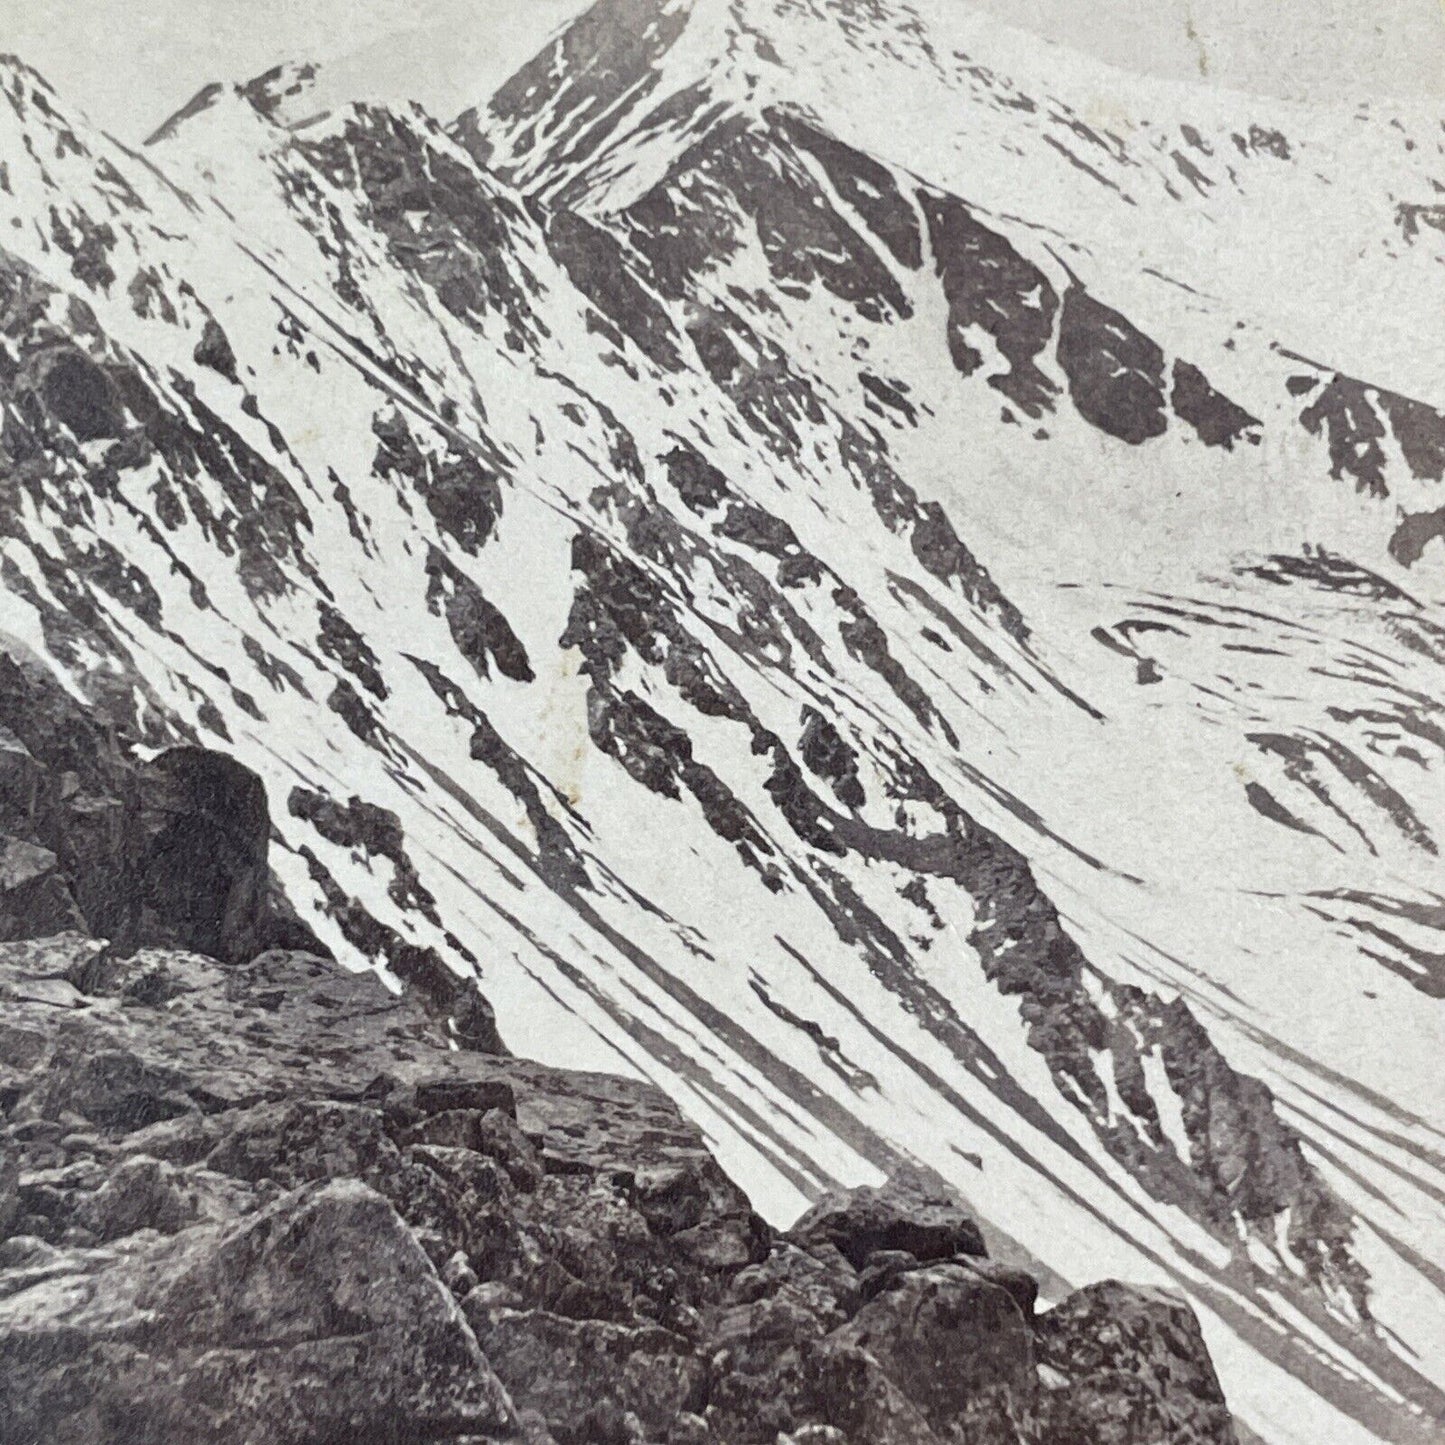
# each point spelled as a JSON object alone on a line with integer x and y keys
{"x": 1226, "y": 193}
{"x": 246, "y": 1195}
{"x": 1225, "y": 224}
{"x": 597, "y": 627}
{"x": 715, "y": 152}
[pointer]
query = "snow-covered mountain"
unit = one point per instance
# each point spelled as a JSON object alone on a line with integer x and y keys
{"x": 872, "y": 572}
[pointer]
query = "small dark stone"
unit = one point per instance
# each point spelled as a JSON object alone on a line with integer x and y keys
{"x": 214, "y": 350}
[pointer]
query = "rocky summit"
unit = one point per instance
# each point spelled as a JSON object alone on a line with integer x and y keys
{"x": 248, "y": 1196}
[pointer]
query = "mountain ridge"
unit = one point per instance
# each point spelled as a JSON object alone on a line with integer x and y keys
{"x": 693, "y": 606}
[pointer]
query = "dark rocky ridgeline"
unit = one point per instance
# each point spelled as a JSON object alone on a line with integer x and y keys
{"x": 246, "y": 1195}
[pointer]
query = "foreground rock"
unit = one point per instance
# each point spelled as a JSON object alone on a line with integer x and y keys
{"x": 1123, "y": 1365}
{"x": 268, "y": 1202}
{"x": 171, "y": 851}
{"x": 317, "y": 1318}
{"x": 256, "y": 1200}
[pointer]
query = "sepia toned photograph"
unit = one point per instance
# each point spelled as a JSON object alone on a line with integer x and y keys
{"x": 722, "y": 722}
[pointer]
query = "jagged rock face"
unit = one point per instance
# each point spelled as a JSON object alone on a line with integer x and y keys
{"x": 317, "y": 1318}
{"x": 167, "y": 853}
{"x": 1165, "y": 1395}
{"x": 264, "y": 1200}
{"x": 803, "y": 606}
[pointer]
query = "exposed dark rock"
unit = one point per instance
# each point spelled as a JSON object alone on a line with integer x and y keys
{"x": 755, "y": 170}
{"x": 462, "y": 495}
{"x": 831, "y": 758}
{"x": 934, "y": 539}
{"x": 1115, "y": 371}
{"x": 992, "y": 288}
{"x": 352, "y": 709}
{"x": 1411, "y": 216}
{"x": 1123, "y": 1366}
{"x": 480, "y": 630}
{"x": 865, "y": 184}
{"x": 214, "y": 350}
{"x": 418, "y": 966}
{"x": 1245, "y": 1164}
{"x": 376, "y": 832}
{"x": 1343, "y": 414}
{"x": 643, "y": 1371}
{"x": 1315, "y": 567}
{"x": 1218, "y": 421}
{"x": 270, "y": 91}
{"x": 1251, "y": 1160}
{"x": 171, "y": 852}
{"x": 602, "y": 270}
{"x": 203, "y": 833}
{"x": 342, "y": 643}
{"x": 1263, "y": 141}
{"x": 1417, "y": 530}
{"x": 81, "y": 397}
{"x": 913, "y": 1213}
{"x": 444, "y": 220}
{"x": 609, "y": 51}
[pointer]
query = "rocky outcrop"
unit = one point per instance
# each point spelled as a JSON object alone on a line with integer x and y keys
{"x": 168, "y": 852}
{"x": 315, "y": 1318}
{"x": 1120, "y": 1365}
{"x": 255, "y": 1197}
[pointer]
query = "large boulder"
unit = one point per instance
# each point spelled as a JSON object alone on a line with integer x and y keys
{"x": 914, "y": 1213}
{"x": 167, "y": 852}
{"x": 201, "y": 831}
{"x": 958, "y": 1346}
{"x": 316, "y": 1320}
{"x": 1125, "y": 1366}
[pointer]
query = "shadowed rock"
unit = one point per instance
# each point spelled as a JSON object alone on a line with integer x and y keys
{"x": 911, "y": 1213}
{"x": 203, "y": 832}
{"x": 172, "y": 852}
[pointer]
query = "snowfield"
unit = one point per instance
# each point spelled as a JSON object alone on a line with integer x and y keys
{"x": 914, "y": 624}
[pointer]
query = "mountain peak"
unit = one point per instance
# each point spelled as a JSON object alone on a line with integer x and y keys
{"x": 285, "y": 96}
{"x": 15, "y": 65}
